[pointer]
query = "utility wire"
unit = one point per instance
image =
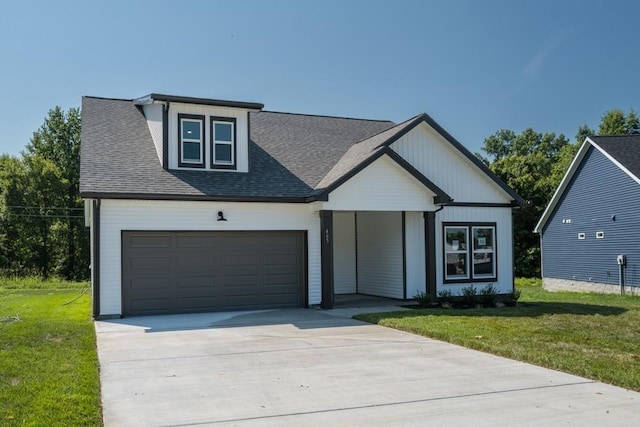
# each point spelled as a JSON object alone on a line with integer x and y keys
{"x": 45, "y": 207}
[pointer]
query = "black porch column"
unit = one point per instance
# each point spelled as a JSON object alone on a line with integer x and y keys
{"x": 326, "y": 256}
{"x": 430, "y": 250}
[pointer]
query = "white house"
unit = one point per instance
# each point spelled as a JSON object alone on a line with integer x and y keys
{"x": 203, "y": 205}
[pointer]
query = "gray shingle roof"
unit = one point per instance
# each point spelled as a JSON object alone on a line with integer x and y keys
{"x": 289, "y": 155}
{"x": 624, "y": 148}
{"x": 292, "y": 157}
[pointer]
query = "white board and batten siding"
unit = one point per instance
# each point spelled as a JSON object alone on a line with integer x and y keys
{"x": 382, "y": 186}
{"x": 242, "y": 132}
{"x": 380, "y": 254}
{"x": 504, "y": 257}
{"x": 153, "y": 114}
{"x": 415, "y": 253}
{"x": 428, "y": 152}
{"x": 344, "y": 253}
{"x": 119, "y": 215}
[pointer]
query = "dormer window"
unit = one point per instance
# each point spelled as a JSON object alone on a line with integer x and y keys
{"x": 191, "y": 140}
{"x": 223, "y": 143}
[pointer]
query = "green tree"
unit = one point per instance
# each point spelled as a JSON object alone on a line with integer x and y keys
{"x": 528, "y": 163}
{"x": 13, "y": 248}
{"x": 41, "y": 214}
{"x": 54, "y": 154}
{"x": 616, "y": 122}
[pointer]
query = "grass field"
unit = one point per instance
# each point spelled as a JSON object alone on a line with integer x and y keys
{"x": 591, "y": 335}
{"x": 48, "y": 362}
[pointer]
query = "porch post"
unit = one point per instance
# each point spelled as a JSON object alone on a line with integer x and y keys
{"x": 430, "y": 251}
{"x": 326, "y": 256}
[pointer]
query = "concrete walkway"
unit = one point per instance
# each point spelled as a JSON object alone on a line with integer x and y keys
{"x": 306, "y": 367}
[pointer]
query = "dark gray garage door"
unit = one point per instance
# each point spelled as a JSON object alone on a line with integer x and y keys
{"x": 187, "y": 272}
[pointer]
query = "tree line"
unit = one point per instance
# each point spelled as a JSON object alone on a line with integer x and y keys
{"x": 42, "y": 228}
{"x": 533, "y": 164}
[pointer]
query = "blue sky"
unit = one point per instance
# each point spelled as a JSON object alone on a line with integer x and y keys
{"x": 474, "y": 66}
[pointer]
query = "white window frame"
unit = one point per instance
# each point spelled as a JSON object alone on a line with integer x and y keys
{"x": 492, "y": 251}
{"x": 182, "y": 118}
{"x": 223, "y": 164}
{"x": 457, "y": 251}
{"x": 470, "y": 252}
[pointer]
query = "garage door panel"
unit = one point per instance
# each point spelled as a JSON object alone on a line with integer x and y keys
{"x": 146, "y": 241}
{"x": 194, "y": 263}
{"x": 187, "y": 242}
{"x": 242, "y": 279}
{"x": 150, "y": 263}
{"x": 147, "y": 284}
{"x": 281, "y": 279}
{"x": 181, "y": 272}
{"x": 199, "y": 282}
{"x": 186, "y": 304}
{"x": 281, "y": 259}
{"x": 150, "y": 305}
{"x": 239, "y": 260}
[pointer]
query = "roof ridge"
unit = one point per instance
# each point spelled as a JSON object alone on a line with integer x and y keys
{"x": 107, "y": 98}
{"x": 327, "y": 116}
{"x": 386, "y": 130}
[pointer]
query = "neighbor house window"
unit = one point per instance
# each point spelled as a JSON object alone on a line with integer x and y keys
{"x": 470, "y": 252}
{"x": 191, "y": 140}
{"x": 223, "y": 143}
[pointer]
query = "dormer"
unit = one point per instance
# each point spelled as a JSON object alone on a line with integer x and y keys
{"x": 198, "y": 133}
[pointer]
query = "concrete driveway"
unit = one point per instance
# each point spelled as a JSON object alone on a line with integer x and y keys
{"x": 306, "y": 367}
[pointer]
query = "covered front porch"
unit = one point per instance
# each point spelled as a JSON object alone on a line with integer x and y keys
{"x": 373, "y": 255}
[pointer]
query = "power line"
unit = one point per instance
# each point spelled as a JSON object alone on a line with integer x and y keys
{"x": 45, "y": 207}
{"x": 46, "y": 216}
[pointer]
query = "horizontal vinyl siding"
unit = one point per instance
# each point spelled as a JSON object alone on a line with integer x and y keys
{"x": 153, "y": 114}
{"x": 598, "y": 190}
{"x": 428, "y": 152}
{"x": 415, "y": 253}
{"x": 381, "y": 186}
{"x": 118, "y": 215}
{"x": 504, "y": 255}
{"x": 380, "y": 254}
{"x": 344, "y": 253}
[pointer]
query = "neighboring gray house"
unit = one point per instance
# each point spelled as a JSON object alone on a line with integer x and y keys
{"x": 593, "y": 217}
{"x": 202, "y": 205}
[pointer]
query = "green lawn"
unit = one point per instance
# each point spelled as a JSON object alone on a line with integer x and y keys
{"x": 591, "y": 335}
{"x": 48, "y": 361}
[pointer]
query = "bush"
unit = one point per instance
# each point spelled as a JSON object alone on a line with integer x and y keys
{"x": 488, "y": 295}
{"x": 423, "y": 299}
{"x": 445, "y": 296}
{"x": 470, "y": 296}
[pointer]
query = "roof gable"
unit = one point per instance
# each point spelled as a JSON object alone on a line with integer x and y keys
{"x": 382, "y": 184}
{"x": 450, "y": 165}
{"x": 623, "y": 151}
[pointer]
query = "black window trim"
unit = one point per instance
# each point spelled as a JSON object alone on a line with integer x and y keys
{"x": 214, "y": 165}
{"x": 469, "y": 226}
{"x": 194, "y": 117}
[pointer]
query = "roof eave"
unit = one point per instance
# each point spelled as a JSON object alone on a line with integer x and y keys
{"x": 254, "y": 106}
{"x": 194, "y": 197}
{"x": 573, "y": 167}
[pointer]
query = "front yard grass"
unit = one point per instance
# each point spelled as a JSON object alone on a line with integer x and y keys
{"x": 591, "y": 335}
{"x": 48, "y": 361}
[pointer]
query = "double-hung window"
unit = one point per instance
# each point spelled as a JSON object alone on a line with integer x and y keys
{"x": 223, "y": 143}
{"x": 470, "y": 252}
{"x": 191, "y": 140}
